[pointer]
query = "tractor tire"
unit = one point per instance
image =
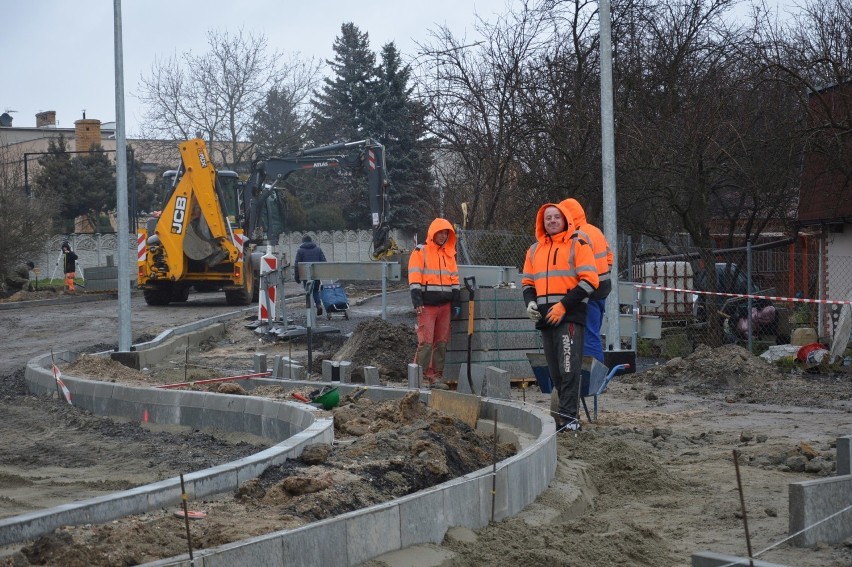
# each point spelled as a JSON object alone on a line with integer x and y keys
{"x": 180, "y": 294}
{"x": 242, "y": 296}
{"x": 157, "y": 297}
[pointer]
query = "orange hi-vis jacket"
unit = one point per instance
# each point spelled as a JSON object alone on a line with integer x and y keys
{"x": 433, "y": 275}
{"x": 559, "y": 268}
{"x": 600, "y": 246}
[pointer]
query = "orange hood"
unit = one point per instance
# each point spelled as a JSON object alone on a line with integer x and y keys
{"x": 442, "y": 224}
{"x": 541, "y": 234}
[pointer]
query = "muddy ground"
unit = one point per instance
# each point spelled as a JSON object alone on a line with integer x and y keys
{"x": 652, "y": 481}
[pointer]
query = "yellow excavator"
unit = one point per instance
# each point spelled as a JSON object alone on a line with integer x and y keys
{"x": 207, "y": 233}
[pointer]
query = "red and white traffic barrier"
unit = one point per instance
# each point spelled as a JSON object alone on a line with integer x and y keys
{"x": 266, "y": 296}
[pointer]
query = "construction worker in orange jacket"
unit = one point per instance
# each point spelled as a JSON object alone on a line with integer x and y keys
{"x": 592, "y": 345}
{"x": 559, "y": 277}
{"x": 433, "y": 278}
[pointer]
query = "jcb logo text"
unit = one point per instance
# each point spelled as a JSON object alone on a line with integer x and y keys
{"x": 179, "y": 215}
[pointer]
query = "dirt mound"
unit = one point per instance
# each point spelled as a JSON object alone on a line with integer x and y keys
{"x": 406, "y": 447}
{"x": 106, "y": 369}
{"x": 388, "y": 347}
{"x": 709, "y": 370}
{"x": 24, "y": 295}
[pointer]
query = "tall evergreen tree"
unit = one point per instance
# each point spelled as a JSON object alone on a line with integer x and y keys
{"x": 345, "y": 105}
{"x": 344, "y": 111}
{"x": 277, "y": 127}
{"x": 399, "y": 123}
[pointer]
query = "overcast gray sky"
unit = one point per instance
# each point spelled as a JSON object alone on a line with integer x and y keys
{"x": 58, "y": 54}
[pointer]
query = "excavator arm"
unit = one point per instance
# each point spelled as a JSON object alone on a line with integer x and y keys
{"x": 368, "y": 157}
{"x": 193, "y": 222}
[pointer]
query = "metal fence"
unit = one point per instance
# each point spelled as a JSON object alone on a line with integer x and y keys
{"x": 791, "y": 283}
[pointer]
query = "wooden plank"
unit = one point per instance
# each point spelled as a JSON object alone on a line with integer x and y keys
{"x": 463, "y": 406}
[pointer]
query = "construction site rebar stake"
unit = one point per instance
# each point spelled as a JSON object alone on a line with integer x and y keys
{"x": 184, "y": 498}
{"x": 743, "y": 507}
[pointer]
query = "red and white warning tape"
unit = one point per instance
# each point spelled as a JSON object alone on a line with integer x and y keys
{"x": 772, "y": 297}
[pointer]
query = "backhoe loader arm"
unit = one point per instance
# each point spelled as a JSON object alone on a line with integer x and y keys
{"x": 193, "y": 222}
{"x": 369, "y": 159}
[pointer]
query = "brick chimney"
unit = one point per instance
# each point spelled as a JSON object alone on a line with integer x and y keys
{"x": 46, "y": 119}
{"x": 87, "y": 134}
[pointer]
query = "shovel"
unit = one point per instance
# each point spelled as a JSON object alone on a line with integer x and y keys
{"x": 470, "y": 286}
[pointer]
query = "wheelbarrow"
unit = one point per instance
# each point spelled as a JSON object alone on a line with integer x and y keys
{"x": 595, "y": 379}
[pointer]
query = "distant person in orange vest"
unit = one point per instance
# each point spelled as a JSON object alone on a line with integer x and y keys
{"x": 69, "y": 266}
{"x": 433, "y": 279}
{"x": 558, "y": 279}
{"x": 592, "y": 345}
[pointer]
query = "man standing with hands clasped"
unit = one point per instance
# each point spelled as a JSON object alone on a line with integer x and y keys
{"x": 559, "y": 276}
{"x": 433, "y": 278}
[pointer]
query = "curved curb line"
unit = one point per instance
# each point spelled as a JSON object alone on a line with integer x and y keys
{"x": 294, "y": 425}
{"x": 357, "y": 536}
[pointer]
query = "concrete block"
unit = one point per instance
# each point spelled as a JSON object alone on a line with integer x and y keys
{"x": 293, "y": 371}
{"x": 496, "y": 303}
{"x": 710, "y": 559}
{"x": 497, "y": 383}
{"x": 371, "y": 376}
{"x": 811, "y": 501}
{"x": 461, "y": 504}
{"x": 516, "y": 367}
{"x": 493, "y": 334}
{"x": 422, "y": 518}
{"x": 259, "y": 361}
{"x": 319, "y": 543}
{"x": 844, "y": 455}
{"x": 261, "y": 550}
{"x": 278, "y": 367}
{"x": 328, "y": 370}
{"x": 373, "y": 533}
{"x": 477, "y": 376}
{"x": 415, "y": 376}
{"x": 345, "y": 372}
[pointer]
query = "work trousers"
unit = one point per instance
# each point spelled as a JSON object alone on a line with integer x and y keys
{"x": 563, "y": 349}
{"x": 592, "y": 345}
{"x": 315, "y": 294}
{"x": 69, "y": 281}
{"x": 433, "y": 334}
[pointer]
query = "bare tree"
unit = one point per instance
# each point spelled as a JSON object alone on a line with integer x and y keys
{"x": 812, "y": 55}
{"x": 218, "y": 93}
{"x": 473, "y": 93}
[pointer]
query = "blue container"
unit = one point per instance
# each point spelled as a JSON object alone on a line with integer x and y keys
{"x": 540, "y": 371}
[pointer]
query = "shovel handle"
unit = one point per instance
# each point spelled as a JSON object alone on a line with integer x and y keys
{"x": 470, "y": 286}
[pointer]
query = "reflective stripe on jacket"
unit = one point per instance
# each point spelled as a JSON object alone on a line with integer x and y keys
{"x": 433, "y": 275}
{"x": 559, "y": 268}
{"x": 600, "y": 246}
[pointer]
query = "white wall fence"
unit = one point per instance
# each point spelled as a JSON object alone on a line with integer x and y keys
{"x": 96, "y": 250}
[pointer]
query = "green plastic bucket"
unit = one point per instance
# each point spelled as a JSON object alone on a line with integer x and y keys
{"x": 329, "y": 399}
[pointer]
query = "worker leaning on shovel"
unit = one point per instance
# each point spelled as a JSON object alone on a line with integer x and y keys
{"x": 559, "y": 276}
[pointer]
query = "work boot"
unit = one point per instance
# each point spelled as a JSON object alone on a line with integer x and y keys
{"x": 319, "y": 309}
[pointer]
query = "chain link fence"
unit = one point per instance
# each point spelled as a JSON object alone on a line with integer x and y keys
{"x": 785, "y": 283}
